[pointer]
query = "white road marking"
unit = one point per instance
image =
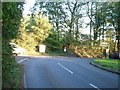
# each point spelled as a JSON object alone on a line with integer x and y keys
{"x": 22, "y": 60}
{"x": 94, "y": 86}
{"x": 24, "y": 82}
{"x": 65, "y": 68}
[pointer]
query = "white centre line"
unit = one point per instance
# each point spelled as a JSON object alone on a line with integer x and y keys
{"x": 65, "y": 68}
{"x": 22, "y": 60}
{"x": 94, "y": 86}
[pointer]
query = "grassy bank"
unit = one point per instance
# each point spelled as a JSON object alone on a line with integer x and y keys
{"x": 47, "y": 53}
{"x": 56, "y": 53}
{"x": 21, "y": 77}
{"x": 87, "y": 51}
{"x": 108, "y": 63}
{"x": 0, "y": 75}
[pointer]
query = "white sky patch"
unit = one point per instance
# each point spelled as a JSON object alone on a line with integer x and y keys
{"x": 85, "y": 29}
{"x": 29, "y": 4}
{"x": 86, "y": 19}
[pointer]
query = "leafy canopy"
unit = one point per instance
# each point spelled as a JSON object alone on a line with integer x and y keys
{"x": 34, "y": 30}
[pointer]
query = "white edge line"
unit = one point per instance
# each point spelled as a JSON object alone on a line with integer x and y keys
{"x": 65, "y": 68}
{"x": 24, "y": 82}
{"x": 22, "y": 60}
{"x": 94, "y": 86}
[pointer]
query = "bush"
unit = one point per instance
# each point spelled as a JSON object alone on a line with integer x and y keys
{"x": 11, "y": 19}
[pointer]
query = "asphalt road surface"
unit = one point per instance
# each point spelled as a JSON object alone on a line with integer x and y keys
{"x": 65, "y": 72}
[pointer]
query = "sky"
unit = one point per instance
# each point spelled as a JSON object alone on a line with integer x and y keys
{"x": 30, "y": 3}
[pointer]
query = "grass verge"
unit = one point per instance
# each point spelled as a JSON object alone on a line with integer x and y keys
{"x": 56, "y": 53}
{"x": 112, "y": 64}
{"x": 0, "y": 75}
{"x": 21, "y": 77}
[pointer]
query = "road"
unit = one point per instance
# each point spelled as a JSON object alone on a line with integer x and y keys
{"x": 65, "y": 72}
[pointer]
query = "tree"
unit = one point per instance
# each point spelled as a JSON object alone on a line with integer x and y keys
{"x": 33, "y": 31}
{"x": 40, "y": 28}
{"x": 118, "y": 30}
{"x": 54, "y": 11}
{"x": 72, "y": 19}
{"x": 66, "y": 17}
{"x": 90, "y": 15}
{"x": 114, "y": 14}
{"x": 52, "y": 43}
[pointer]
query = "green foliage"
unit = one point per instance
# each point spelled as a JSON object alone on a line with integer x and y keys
{"x": 12, "y": 13}
{"x": 53, "y": 42}
{"x": 61, "y": 19}
{"x": 11, "y": 73}
{"x": 67, "y": 17}
{"x": 33, "y": 31}
{"x": 41, "y": 28}
{"x": 70, "y": 39}
{"x": 11, "y": 16}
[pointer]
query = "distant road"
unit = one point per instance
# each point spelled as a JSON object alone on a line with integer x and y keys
{"x": 64, "y": 72}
